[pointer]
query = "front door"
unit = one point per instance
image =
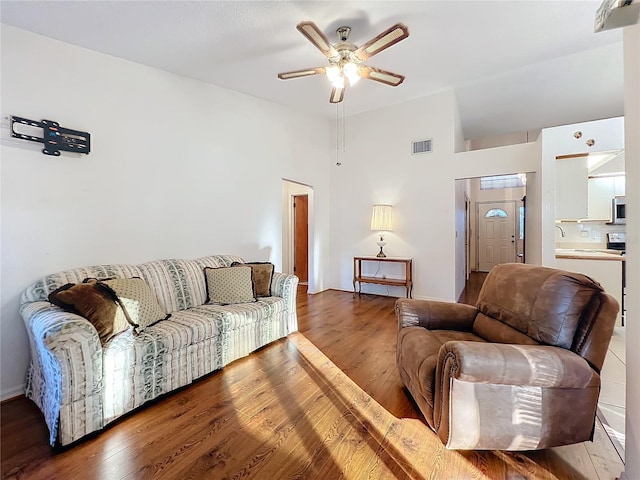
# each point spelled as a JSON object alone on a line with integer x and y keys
{"x": 496, "y": 234}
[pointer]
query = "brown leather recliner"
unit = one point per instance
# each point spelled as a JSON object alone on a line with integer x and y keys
{"x": 520, "y": 370}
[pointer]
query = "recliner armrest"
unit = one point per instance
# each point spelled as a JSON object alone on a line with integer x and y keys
{"x": 521, "y": 365}
{"x": 511, "y": 397}
{"x": 435, "y": 315}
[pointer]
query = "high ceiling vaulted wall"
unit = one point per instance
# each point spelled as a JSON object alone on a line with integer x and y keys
{"x": 514, "y": 65}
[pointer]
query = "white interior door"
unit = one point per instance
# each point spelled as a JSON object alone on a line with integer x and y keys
{"x": 496, "y": 234}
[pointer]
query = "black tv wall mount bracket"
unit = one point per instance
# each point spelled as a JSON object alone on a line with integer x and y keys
{"x": 54, "y": 137}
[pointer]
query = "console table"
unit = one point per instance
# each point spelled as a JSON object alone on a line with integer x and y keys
{"x": 406, "y": 282}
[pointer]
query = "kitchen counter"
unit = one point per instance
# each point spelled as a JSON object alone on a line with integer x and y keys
{"x": 609, "y": 273}
{"x": 590, "y": 254}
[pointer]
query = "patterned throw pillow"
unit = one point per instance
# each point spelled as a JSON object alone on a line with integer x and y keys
{"x": 229, "y": 285}
{"x": 94, "y": 302}
{"x": 137, "y": 300}
{"x": 262, "y": 276}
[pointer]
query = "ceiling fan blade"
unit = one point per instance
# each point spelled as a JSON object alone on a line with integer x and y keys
{"x": 386, "y": 39}
{"x": 337, "y": 94}
{"x": 301, "y": 73}
{"x": 315, "y": 36}
{"x": 382, "y": 76}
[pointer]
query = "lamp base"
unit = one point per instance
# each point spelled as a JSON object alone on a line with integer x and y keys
{"x": 381, "y": 244}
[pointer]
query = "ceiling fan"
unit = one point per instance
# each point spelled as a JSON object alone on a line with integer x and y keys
{"x": 346, "y": 59}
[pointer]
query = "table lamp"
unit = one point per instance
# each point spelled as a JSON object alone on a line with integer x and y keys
{"x": 381, "y": 221}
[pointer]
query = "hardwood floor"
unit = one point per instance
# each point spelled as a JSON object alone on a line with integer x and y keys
{"x": 472, "y": 288}
{"x": 358, "y": 334}
{"x": 288, "y": 411}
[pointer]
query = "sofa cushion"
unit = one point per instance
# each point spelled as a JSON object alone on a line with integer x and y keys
{"x": 137, "y": 300}
{"x": 229, "y": 285}
{"x": 178, "y": 284}
{"x": 200, "y": 324}
{"x": 262, "y": 276}
{"x": 212, "y": 320}
{"x": 40, "y": 290}
{"x": 544, "y": 303}
{"x": 95, "y": 303}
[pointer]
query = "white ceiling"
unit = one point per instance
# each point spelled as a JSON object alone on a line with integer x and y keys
{"x": 515, "y": 65}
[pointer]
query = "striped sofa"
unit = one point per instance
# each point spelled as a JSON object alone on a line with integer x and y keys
{"x": 81, "y": 386}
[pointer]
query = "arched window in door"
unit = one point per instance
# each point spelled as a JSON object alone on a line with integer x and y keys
{"x": 496, "y": 212}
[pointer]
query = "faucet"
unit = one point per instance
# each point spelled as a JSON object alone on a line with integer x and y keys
{"x": 561, "y": 231}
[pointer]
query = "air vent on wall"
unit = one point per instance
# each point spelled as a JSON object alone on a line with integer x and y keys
{"x": 421, "y": 146}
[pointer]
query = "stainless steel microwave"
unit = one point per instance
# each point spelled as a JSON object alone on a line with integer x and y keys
{"x": 619, "y": 210}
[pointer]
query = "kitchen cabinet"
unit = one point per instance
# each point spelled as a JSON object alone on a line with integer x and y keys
{"x": 601, "y": 191}
{"x": 571, "y": 186}
{"x": 606, "y": 272}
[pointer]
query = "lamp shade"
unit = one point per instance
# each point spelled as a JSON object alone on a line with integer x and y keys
{"x": 382, "y": 218}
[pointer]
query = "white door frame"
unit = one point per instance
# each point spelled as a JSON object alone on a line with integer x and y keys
{"x": 467, "y": 236}
{"x": 291, "y": 188}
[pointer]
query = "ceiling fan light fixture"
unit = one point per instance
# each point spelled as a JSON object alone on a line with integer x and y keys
{"x": 350, "y": 70}
{"x": 338, "y": 82}
{"x": 333, "y": 73}
{"x": 346, "y": 60}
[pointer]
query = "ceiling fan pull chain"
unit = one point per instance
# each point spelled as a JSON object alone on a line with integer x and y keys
{"x": 344, "y": 128}
{"x": 338, "y": 163}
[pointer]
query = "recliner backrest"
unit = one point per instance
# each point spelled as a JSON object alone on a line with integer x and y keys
{"x": 548, "y": 306}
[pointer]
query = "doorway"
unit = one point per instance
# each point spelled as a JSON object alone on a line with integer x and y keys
{"x": 297, "y": 232}
{"x": 488, "y": 192}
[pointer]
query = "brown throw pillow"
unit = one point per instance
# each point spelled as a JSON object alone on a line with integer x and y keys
{"x": 262, "y": 276}
{"x": 95, "y": 303}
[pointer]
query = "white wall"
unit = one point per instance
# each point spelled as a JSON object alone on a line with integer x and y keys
{"x": 178, "y": 168}
{"x": 501, "y": 140}
{"x": 632, "y": 164}
{"x": 378, "y": 168}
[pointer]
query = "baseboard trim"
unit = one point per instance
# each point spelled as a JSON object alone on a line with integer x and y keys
{"x": 315, "y": 292}
{"x": 13, "y": 392}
